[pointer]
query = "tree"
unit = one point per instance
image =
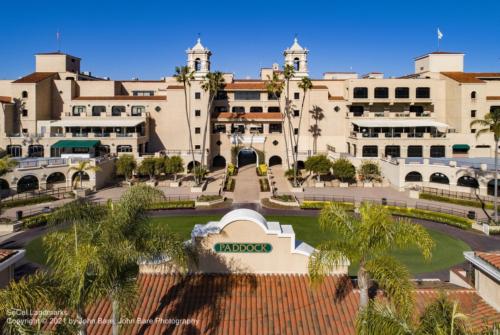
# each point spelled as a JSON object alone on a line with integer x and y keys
{"x": 213, "y": 83}
{"x": 174, "y": 165}
{"x": 491, "y": 124}
{"x": 319, "y": 165}
{"x": 125, "y": 166}
{"x": 368, "y": 240}
{"x": 6, "y": 164}
{"x": 343, "y": 170}
{"x": 149, "y": 167}
{"x": 288, "y": 74}
{"x": 369, "y": 171}
{"x": 81, "y": 169}
{"x": 185, "y": 75}
{"x": 317, "y": 115}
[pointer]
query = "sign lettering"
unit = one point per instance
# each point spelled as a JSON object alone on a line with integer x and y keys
{"x": 243, "y": 247}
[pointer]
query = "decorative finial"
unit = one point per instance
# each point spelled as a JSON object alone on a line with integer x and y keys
{"x": 295, "y": 39}
{"x": 199, "y": 38}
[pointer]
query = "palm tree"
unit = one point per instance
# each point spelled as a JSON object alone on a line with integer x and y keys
{"x": 213, "y": 83}
{"x": 275, "y": 86}
{"x": 185, "y": 75}
{"x": 81, "y": 168}
{"x": 288, "y": 74}
{"x": 491, "y": 124}
{"x": 305, "y": 85}
{"x": 368, "y": 239}
{"x": 317, "y": 115}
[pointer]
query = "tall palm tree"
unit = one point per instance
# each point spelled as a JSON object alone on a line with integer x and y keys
{"x": 275, "y": 87}
{"x": 213, "y": 83}
{"x": 317, "y": 115}
{"x": 185, "y": 75}
{"x": 368, "y": 239}
{"x": 288, "y": 74}
{"x": 305, "y": 85}
{"x": 491, "y": 124}
{"x": 81, "y": 169}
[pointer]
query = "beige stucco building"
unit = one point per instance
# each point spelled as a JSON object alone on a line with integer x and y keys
{"x": 426, "y": 114}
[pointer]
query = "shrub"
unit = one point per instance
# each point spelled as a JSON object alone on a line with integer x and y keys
{"x": 369, "y": 171}
{"x": 448, "y": 219}
{"x": 264, "y": 185}
{"x": 343, "y": 170}
{"x": 231, "y": 170}
{"x": 205, "y": 197}
{"x": 348, "y": 206}
{"x": 28, "y": 201}
{"x": 462, "y": 202}
{"x": 319, "y": 165}
{"x": 125, "y": 166}
{"x": 230, "y": 184}
{"x": 172, "y": 204}
{"x": 284, "y": 198}
{"x": 36, "y": 221}
{"x": 148, "y": 167}
{"x": 262, "y": 170}
{"x": 174, "y": 165}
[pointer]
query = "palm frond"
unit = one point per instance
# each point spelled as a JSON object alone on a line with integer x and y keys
{"x": 324, "y": 259}
{"x": 407, "y": 233}
{"x": 380, "y": 319}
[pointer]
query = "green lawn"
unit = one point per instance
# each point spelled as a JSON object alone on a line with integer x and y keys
{"x": 448, "y": 250}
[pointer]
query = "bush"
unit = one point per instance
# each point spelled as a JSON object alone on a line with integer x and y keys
{"x": 28, "y": 201}
{"x": 262, "y": 170}
{"x": 209, "y": 197}
{"x": 319, "y": 165}
{"x": 172, "y": 204}
{"x": 348, "y": 206}
{"x": 264, "y": 185}
{"x": 284, "y": 198}
{"x": 36, "y": 221}
{"x": 462, "y": 202}
{"x": 369, "y": 171}
{"x": 230, "y": 184}
{"x": 125, "y": 166}
{"x": 343, "y": 170}
{"x": 231, "y": 170}
{"x": 448, "y": 219}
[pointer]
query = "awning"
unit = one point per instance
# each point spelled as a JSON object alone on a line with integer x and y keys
{"x": 411, "y": 123}
{"x": 76, "y": 144}
{"x": 461, "y": 146}
{"x": 98, "y": 122}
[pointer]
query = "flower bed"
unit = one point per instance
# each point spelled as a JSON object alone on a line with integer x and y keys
{"x": 172, "y": 205}
{"x": 348, "y": 206}
{"x": 448, "y": 219}
{"x": 284, "y": 200}
{"x": 230, "y": 184}
{"x": 264, "y": 185}
{"x": 29, "y": 201}
{"x": 462, "y": 202}
{"x": 208, "y": 200}
{"x": 36, "y": 221}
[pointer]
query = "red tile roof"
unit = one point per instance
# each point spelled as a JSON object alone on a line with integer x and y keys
{"x": 492, "y": 258}
{"x": 6, "y": 253}
{"x": 175, "y": 87}
{"x": 5, "y": 100}
{"x": 493, "y": 98}
{"x": 320, "y": 87}
{"x": 249, "y": 116}
{"x": 124, "y": 97}
{"x": 246, "y": 85}
{"x": 470, "y": 77}
{"x": 35, "y": 77}
{"x": 258, "y": 304}
{"x": 335, "y": 97}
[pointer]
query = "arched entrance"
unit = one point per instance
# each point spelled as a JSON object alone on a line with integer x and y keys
{"x": 301, "y": 165}
{"x": 275, "y": 160}
{"x": 191, "y": 165}
{"x": 247, "y": 156}
{"x": 491, "y": 187}
{"x": 56, "y": 179}
{"x": 218, "y": 162}
{"x": 467, "y": 181}
{"x": 27, "y": 183}
{"x": 80, "y": 179}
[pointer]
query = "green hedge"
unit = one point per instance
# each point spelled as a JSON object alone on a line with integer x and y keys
{"x": 209, "y": 197}
{"x": 348, "y": 206}
{"x": 284, "y": 198}
{"x": 462, "y": 202}
{"x": 36, "y": 221}
{"x": 172, "y": 205}
{"x": 448, "y": 219}
{"x": 29, "y": 201}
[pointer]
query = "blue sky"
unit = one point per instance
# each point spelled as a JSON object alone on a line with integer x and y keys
{"x": 147, "y": 39}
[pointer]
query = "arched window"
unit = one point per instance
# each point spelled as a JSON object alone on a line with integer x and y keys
{"x": 24, "y": 94}
{"x": 473, "y": 95}
{"x": 413, "y": 176}
{"x": 439, "y": 178}
{"x": 467, "y": 181}
{"x": 296, "y": 64}
{"x": 197, "y": 64}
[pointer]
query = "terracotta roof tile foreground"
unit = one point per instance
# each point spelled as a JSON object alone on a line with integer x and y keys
{"x": 257, "y": 304}
{"x": 35, "y": 77}
{"x": 249, "y": 116}
{"x": 492, "y": 258}
{"x": 5, "y": 100}
{"x": 6, "y": 253}
{"x": 124, "y": 97}
{"x": 471, "y": 77}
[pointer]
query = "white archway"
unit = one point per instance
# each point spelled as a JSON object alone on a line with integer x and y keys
{"x": 247, "y": 149}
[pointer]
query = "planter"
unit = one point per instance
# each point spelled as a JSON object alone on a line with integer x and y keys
{"x": 10, "y": 227}
{"x": 174, "y": 184}
{"x": 344, "y": 185}
{"x": 284, "y": 203}
{"x": 208, "y": 203}
{"x": 81, "y": 192}
{"x": 414, "y": 194}
{"x": 197, "y": 189}
{"x": 297, "y": 189}
{"x": 319, "y": 184}
{"x": 368, "y": 184}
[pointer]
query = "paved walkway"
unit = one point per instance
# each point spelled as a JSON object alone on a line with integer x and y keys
{"x": 278, "y": 179}
{"x": 247, "y": 188}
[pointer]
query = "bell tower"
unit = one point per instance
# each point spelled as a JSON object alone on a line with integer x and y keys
{"x": 297, "y": 57}
{"x": 198, "y": 59}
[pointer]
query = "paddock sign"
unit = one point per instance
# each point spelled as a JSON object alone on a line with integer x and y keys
{"x": 243, "y": 247}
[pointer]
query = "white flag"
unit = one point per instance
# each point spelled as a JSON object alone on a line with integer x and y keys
{"x": 440, "y": 34}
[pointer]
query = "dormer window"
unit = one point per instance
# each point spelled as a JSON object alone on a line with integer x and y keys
{"x": 197, "y": 64}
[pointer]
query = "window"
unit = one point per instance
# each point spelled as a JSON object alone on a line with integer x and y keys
{"x": 275, "y": 128}
{"x": 296, "y": 95}
{"x": 137, "y": 110}
{"x": 238, "y": 110}
{"x": 370, "y": 151}
{"x": 35, "y": 150}
{"x": 473, "y": 131}
{"x": 272, "y": 96}
{"x": 473, "y": 95}
{"x": 437, "y": 151}
{"x": 418, "y": 110}
{"x": 275, "y": 142}
{"x": 24, "y": 94}
{"x": 402, "y": 92}
{"x": 413, "y": 176}
{"x": 77, "y": 110}
{"x": 473, "y": 113}
{"x": 273, "y": 109}
{"x": 360, "y": 92}
{"x": 415, "y": 151}
{"x": 296, "y": 64}
{"x": 197, "y": 64}
{"x": 357, "y": 110}
{"x": 197, "y": 130}
{"x": 98, "y": 110}
{"x": 296, "y": 112}
{"x": 381, "y": 92}
{"x": 423, "y": 93}
{"x": 197, "y": 147}
{"x": 14, "y": 150}
{"x": 25, "y": 130}
{"x": 221, "y": 95}
{"x": 197, "y": 95}
{"x": 246, "y": 95}
{"x": 439, "y": 178}
{"x": 197, "y": 112}
{"x": 219, "y": 128}
{"x": 255, "y": 109}
{"x": 295, "y": 131}
{"x": 25, "y": 112}
{"x": 143, "y": 93}
{"x": 220, "y": 109}
{"x": 117, "y": 110}
{"x": 393, "y": 151}
{"x": 124, "y": 148}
